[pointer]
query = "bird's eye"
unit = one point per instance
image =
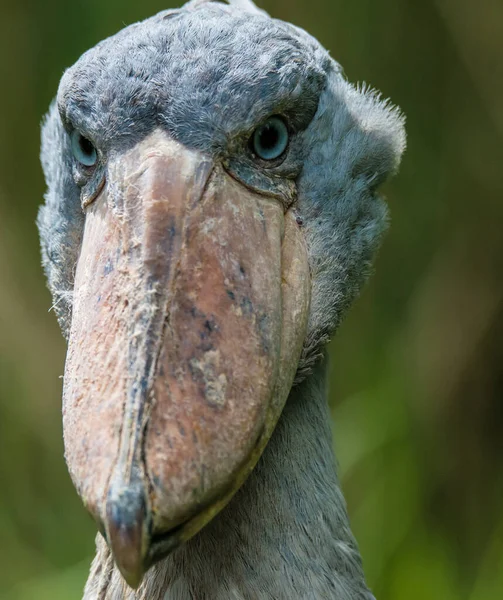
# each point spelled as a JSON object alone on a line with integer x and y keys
{"x": 83, "y": 150}
{"x": 270, "y": 140}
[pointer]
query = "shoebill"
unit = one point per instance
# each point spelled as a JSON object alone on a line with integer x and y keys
{"x": 212, "y": 210}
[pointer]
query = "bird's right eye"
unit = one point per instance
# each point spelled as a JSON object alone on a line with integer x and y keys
{"x": 83, "y": 150}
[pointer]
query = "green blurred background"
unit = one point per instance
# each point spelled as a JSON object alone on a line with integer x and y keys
{"x": 417, "y": 378}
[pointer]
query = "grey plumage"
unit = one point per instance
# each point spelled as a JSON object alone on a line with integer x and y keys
{"x": 208, "y": 74}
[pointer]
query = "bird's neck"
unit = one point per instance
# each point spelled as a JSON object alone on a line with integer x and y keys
{"x": 285, "y": 535}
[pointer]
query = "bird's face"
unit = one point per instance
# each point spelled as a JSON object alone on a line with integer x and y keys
{"x": 191, "y": 297}
{"x": 182, "y": 151}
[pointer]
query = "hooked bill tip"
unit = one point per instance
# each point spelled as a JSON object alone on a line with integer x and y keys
{"x": 128, "y": 532}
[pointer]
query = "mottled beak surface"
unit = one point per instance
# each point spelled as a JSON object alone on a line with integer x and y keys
{"x": 190, "y": 311}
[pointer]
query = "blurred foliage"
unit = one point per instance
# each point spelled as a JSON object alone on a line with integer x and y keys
{"x": 417, "y": 383}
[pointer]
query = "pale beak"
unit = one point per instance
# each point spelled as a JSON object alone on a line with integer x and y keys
{"x": 190, "y": 311}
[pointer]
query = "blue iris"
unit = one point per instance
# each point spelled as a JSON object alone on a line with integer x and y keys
{"x": 270, "y": 140}
{"x": 83, "y": 150}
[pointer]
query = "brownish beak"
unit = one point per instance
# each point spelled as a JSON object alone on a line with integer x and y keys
{"x": 190, "y": 310}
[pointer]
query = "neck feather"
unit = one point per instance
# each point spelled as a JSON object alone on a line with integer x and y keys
{"x": 284, "y": 536}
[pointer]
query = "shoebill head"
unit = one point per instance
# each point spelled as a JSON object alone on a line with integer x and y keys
{"x": 212, "y": 209}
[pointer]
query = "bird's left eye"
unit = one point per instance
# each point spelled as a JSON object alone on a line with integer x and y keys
{"x": 83, "y": 150}
{"x": 270, "y": 140}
